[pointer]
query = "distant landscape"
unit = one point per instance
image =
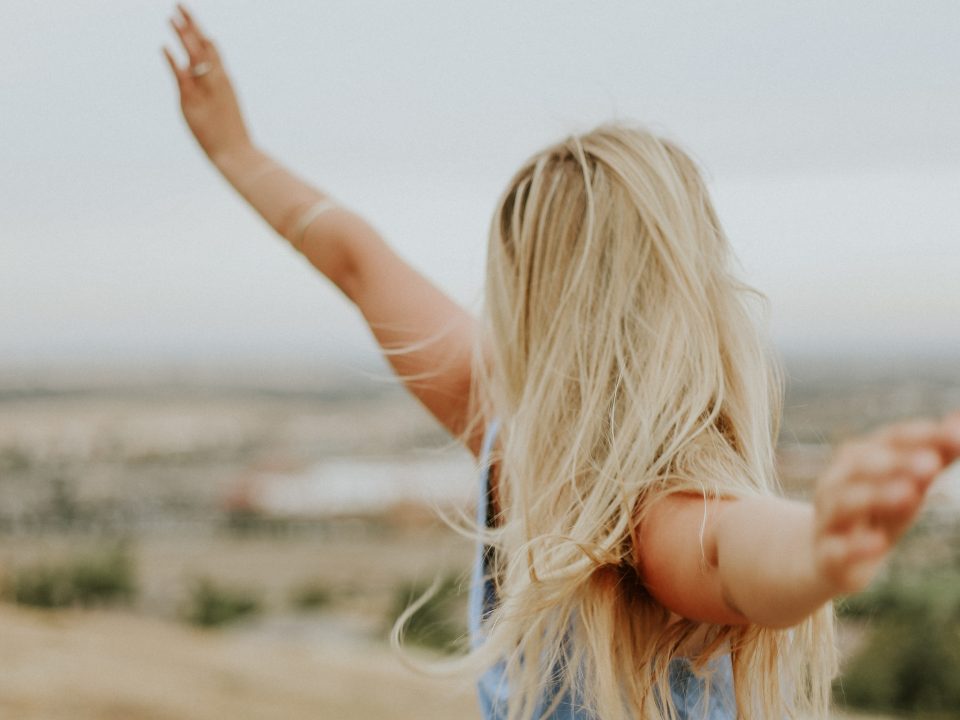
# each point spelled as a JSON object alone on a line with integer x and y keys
{"x": 236, "y": 543}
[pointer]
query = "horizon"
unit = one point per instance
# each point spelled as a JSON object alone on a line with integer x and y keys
{"x": 367, "y": 374}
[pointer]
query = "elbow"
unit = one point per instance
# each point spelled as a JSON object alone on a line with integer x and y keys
{"x": 346, "y": 275}
{"x": 333, "y": 251}
{"x": 733, "y": 608}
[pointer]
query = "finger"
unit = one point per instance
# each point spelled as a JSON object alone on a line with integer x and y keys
{"x": 849, "y": 505}
{"x": 208, "y": 50}
{"x": 849, "y": 561}
{"x": 890, "y": 504}
{"x": 951, "y": 427}
{"x": 190, "y": 28}
{"x": 189, "y": 42}
{"x": 835, "y": 562}
{"x": 190, "y": 22}
{"x": 187, "y": 16}
{"x": 178, "y": 72}
{"x": 939, "y": 436}
{"x": 877, "y": 461}
{"x": 909, "y": 431}
{"x": 866, "y": 544}
{"x": 862, "y": 460}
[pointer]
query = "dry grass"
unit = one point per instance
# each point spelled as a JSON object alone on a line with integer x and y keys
{"x": 144, "y": 665}
{"x": 116, "y": 666}
{"x": 192, "y": 448}
{"x": 105, "y": 665}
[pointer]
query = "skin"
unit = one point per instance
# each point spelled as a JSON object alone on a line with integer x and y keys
{"x": 773, "y": 561}
{"x": 768, "y": 561}
{"x": 400, "y": 305}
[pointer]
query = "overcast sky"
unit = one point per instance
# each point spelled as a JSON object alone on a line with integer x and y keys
{"x": 830, "y": 132}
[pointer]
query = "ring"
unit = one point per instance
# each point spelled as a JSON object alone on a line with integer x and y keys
{"x": 200, "y": 69}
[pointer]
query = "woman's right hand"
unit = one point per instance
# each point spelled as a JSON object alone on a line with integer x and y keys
{"x": 207, "y": 98}
{"x": 871, "y": 494}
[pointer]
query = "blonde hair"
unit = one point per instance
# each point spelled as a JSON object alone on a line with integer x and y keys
{"x": 623, "y": 360}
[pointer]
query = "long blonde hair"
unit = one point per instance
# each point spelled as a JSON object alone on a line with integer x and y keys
{"x": 625, "y": 362}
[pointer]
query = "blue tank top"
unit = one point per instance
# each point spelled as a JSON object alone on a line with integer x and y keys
{"x": 687, "y": 689}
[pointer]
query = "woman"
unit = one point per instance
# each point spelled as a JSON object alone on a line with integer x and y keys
{"x": 635, "y": 558}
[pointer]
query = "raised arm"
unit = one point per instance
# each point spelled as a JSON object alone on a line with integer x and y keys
{"x": 402, "y": 308}
{"x": 772, "y": 561}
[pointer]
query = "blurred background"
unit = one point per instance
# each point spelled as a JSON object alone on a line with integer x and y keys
{"x": 213, "y": 497}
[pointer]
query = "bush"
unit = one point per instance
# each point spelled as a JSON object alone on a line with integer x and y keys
{"x": 311, "y": 596}
{"x": 105, "y": 577}
{"x": 904, "y": 599}
{"x": 39, "y": 586}
{"x": 14, "y": 460}
{"x": 213, "y": 605}
{"x": 910, "y": 662}
{"x": 910, "y": 667}
{"x": 440, "y": 622}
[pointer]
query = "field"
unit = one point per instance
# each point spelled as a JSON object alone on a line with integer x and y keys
{"x": 137, "y": 664}
{"x": 229, "y": 599}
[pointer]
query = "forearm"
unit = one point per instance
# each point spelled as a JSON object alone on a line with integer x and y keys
{"x": 764, "y": 555}
{"x": 427, "y": 337}
{"x": 282, "y": 199}
{"x": 772, "y": 561}
{"x": 273, "y": 191}
{"x": 339, "y": 243}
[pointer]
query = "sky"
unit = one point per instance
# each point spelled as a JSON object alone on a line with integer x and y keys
{"x": 829, "y": 132}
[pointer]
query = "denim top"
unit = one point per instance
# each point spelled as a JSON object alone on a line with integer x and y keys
{"x": 687, "y": 690}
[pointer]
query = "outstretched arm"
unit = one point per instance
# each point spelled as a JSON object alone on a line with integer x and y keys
{"x": 772, "y": 561}
{"x": 402, "y": 308}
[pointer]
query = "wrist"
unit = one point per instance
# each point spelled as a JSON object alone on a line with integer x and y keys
{"x": 813, "y": 575}
{"x": 767, "y": 554}
{"x": 244, "y": 167}
{"x": 236, "y": 157}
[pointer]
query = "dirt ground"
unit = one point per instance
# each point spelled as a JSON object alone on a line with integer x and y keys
{"x": 166, "y": 460}
{"x": 144, "y": 663}
{"x": 110, "y": 665}
{"x": 91, "y": 665}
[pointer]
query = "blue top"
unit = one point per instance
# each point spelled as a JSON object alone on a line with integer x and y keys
{"x": 686, "y": 688}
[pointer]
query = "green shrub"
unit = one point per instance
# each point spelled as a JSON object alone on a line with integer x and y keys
{"x": 213, "y": 605}
{"x": 104, "y": 577}
{"x": 910, "y": 661}
{"x": 905, "y": 599}
{"x": 440, "y": 622}
{"x": 244, "y": 522}
{"x": 910, "y": 667}
{"x": 41, "y": 586}
{"x": 14, "y": 460}
{"x": 312, "y": 595}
